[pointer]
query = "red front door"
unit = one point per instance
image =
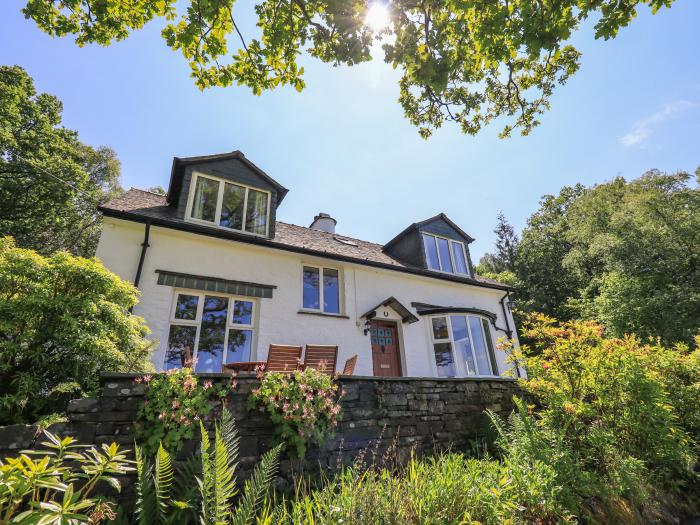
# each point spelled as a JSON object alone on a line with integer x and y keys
{"x": 386, "y": 356}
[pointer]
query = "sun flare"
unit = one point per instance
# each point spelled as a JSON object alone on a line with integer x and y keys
{"x": 377, "y": 17}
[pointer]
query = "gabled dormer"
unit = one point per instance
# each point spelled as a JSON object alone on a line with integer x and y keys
{"x": 225, "y": 191}
{"x": 436, "y": 244}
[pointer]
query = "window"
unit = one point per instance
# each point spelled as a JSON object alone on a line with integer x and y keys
{"x": 212, "y": 329}
{"x": 463, "y": 345}
{"x": 445, "y": 255}
{"x": 233, "y": 206}
{"x": 321, "y": 289}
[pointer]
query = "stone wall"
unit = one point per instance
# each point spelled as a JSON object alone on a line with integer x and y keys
{"x": 381, "y": 417}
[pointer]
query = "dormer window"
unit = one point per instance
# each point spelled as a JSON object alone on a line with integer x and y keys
{"x": 445, "y": 255}
{"x": 229, "y": 205}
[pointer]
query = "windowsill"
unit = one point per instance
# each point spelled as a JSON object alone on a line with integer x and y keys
{"x": 224, "y": 228}
{"x": 443, "y": 272}
{"x": 323, "y": 314}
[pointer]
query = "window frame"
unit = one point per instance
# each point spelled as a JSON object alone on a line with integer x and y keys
{"x": 459, "y": 364}
{"x": 197, "y": 321}
{"x": 219, "y": 204}
{"x": 341, "y": 290}
{"x": 450, "y": 243}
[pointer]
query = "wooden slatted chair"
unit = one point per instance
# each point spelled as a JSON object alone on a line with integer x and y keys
{"x": 349, "y": 368}
{"x": 283, "y": 358}
{"x": 321, "y": 357}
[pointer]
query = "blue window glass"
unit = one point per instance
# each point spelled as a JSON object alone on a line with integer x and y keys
{"x": 483, "y": 362}
{"x": 186, "y": 307}
{"x": 431, "y": 254}
{"x": 460, "y": 260}
{"x": 445, "y": 260}
{"x": 210, "y": 351}
{"x": 232, "y": 206}
{"x": 443, "y": 359}
{"x": 331, "y": 291}
{"x": 312, "y": 292}
{"x": 239, "y": 343}
{"x": 180, "y": 346}
{"x": 242, "y": 312}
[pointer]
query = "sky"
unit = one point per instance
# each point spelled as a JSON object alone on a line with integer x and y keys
{"x": 343, "y": 146}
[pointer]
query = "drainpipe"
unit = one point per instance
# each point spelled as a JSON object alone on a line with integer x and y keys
{"x": 144, "y": 247}
{"x": 508, "y": 329}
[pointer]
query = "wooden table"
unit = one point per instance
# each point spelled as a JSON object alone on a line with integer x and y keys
{"x": 242, "y": 366}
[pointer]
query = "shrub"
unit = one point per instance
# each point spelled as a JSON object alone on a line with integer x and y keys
{"x": 174, "y": 403}
{"x": 62, "y": 319}
{"x": 303, "y": 407}
{"x": 59, "y": 487}
{"x": 610, "y": 418}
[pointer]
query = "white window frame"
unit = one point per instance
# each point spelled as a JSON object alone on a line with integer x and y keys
{"x": 219, "y": 204}
{"x": 460, "y": 365}
{"x": 452, "y": 256}
{"x": 321, "y": 302}
{"x": 197, "y": 321}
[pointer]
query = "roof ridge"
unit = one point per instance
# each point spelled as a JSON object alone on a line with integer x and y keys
{"x": 147, "y": 191}
{"x": 334, "y": 234}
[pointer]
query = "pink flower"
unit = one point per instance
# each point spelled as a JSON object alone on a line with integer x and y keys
{"x": 234, "y": 384}
{"x": 147, "y": 378}
{"x": 138, "y": 380}
{"x": 189, "y": 383}
{"x": 335, "y": 410}
{"x": 309, "y": 397}
{"x": 285, "y": 407}
{"x": 196, "y": 418}
{"x": 176, "y": 404}
{"x": 255, "y": 391}
{"x": 160, "y": 416}
{"x": 208, "y": 385}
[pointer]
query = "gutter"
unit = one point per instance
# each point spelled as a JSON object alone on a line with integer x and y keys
{"x": 508, "y": 330}
{"x": 285, "y": 247}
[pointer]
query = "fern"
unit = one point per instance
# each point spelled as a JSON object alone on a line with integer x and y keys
{"x": 256, "y": 487}
{"x": 162, "y": 481}
{"x": 145, "y": 493}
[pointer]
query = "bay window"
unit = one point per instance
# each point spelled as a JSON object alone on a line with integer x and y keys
{"x": 229, "y": 205}
{"x": 445, "y": 255}
{"x": 209, "y": 329}
{"x": 463, "y": 346}
{"x": 321, "y": 289}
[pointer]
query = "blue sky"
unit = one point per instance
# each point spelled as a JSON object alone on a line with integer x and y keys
{"x": 343, "y": 146}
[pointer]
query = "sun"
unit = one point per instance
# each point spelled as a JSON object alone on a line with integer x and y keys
{"x": 377, "y": 17}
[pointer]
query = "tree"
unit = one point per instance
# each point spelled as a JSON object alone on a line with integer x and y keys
{"x": 50, "y": 182}
{"x": 506, "y": 249}
{"x": 62, "y": 320}
{"x": 466, "y": 61}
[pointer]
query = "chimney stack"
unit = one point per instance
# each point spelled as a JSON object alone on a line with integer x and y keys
{"x": 324, "y": 223}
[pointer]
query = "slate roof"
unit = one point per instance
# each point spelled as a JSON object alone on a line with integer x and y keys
{"x": 143, "y": 206}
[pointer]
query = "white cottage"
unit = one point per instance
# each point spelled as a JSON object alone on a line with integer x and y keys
{"x": 221, "y": 279}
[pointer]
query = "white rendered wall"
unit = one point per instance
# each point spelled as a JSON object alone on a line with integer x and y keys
{"x": 278, "y": 320}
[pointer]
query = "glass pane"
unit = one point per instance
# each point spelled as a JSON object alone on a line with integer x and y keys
{"x": 256, "y": 212}
{"x": 482, "y": 359}
{"x": 186, "y": 307}
{"x": 239, "y": 342}
{"x": 331, "y": 291}
{"x": 431, "y": 255}
{"x": 206, "y": 192}
{"x": 443, "y": 360}
{"x": 445, "y": 260}
{"x": 440, "y": 328}
{"x": 460, "y": 260}
{"x": 242, "y": 312}
{"x": 464, "y": 349}
{"x": 210, "y": 350}
{"x": 232, "y": 206}
{"x": 180, "y": 346}
{"x": 489, "y": 345}
{"x": 311, "y": 289}
{"x": 459, "y": 326}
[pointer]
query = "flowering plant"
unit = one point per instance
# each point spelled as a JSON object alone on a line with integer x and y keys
{"x": 303, "y": 406}
{"x": 174, "y": 403}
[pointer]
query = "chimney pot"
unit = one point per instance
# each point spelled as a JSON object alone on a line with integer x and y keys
{"x": 324, "y": 222}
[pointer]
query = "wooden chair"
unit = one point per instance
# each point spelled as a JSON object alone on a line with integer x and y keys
{"x": 321, "y": 357}
{"x": 283, "y": 358}
{"x": 349, "y": 368}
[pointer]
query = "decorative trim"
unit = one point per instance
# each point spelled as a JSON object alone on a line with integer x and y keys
{"x": 394, "y": 304}
{"x": 323, "y": 314}
{"x": 214, "y": 284}
{"x": 430, "y": 309}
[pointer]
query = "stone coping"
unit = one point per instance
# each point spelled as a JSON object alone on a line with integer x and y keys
{"x": 106, "y": 376}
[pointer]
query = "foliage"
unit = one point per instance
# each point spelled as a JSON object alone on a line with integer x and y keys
{"x": 165, "y": 496}
{"x": 463, "y": 61}
{"x": 503, "y": 260}
{"x": 173, "y": 404}
{"x": 62, "y": 320}
{"x": 50, "y": 182}
{"x": 58, "y": 488}
{"x": 610, "y": 423}
{"x": 449, "y": 489}
{"x": 303, "y": 407}
{"x": 626, "y": 254}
